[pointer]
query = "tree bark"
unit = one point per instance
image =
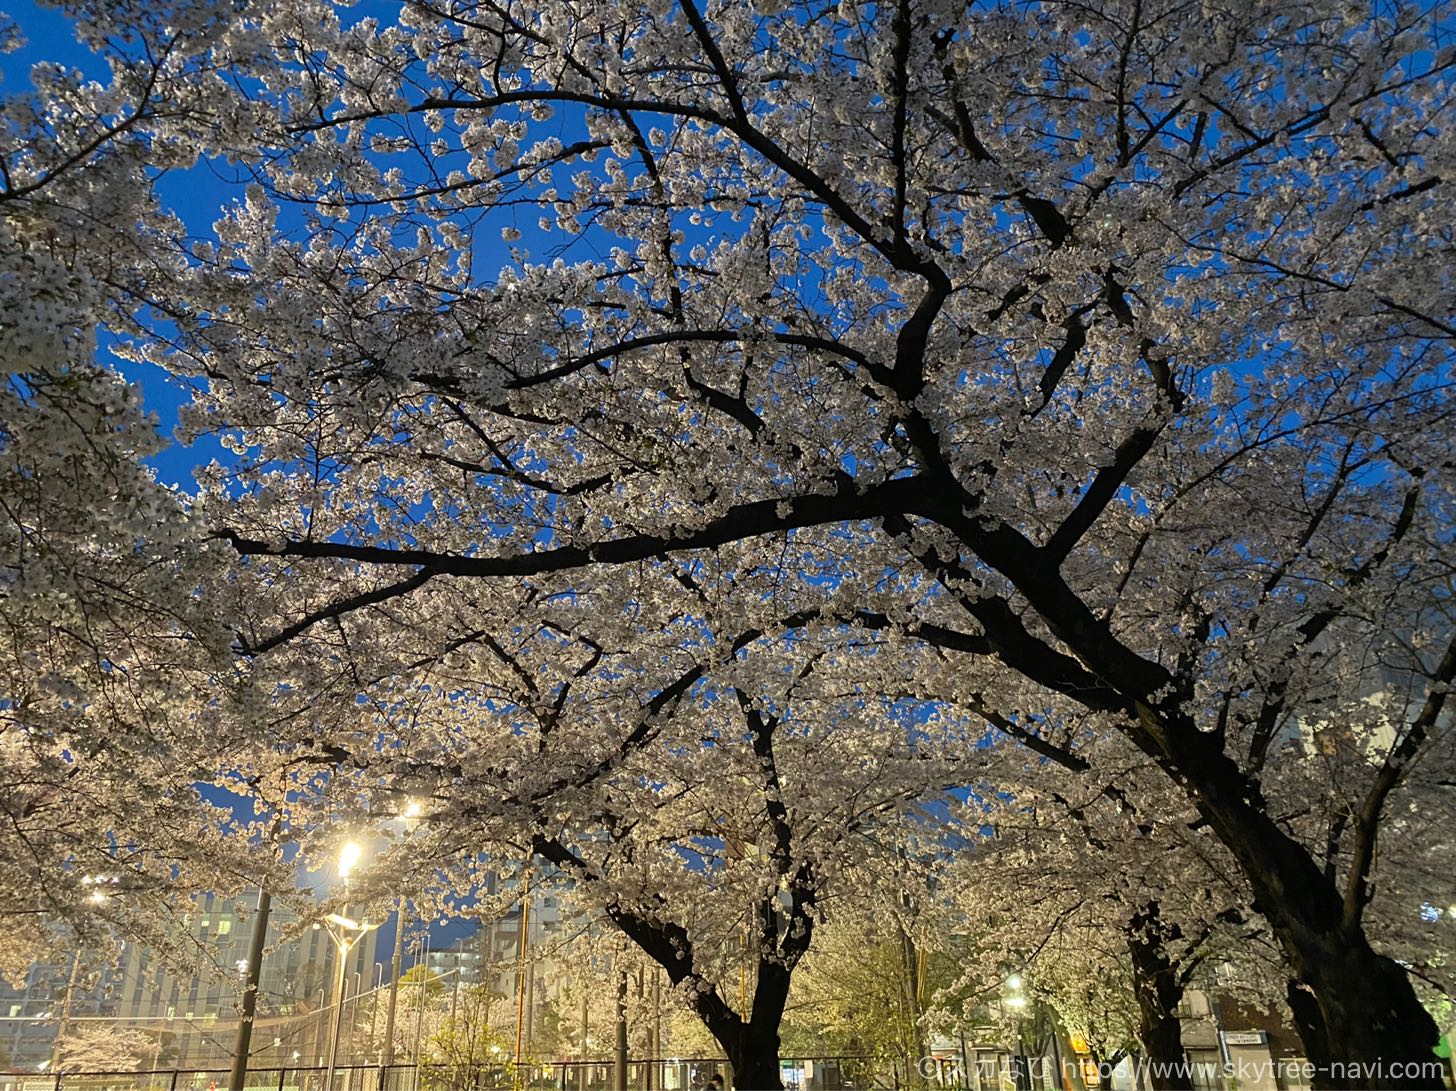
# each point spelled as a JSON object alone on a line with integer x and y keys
{"x": 1359, "y": 1018}
{"x": 754, "y": 1057}
{"x": 1158, "y": 987}
{"x": 1356, "y": 1011}
{"x": 751, "y": 1045}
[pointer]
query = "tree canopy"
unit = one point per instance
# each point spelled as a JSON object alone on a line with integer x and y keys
{"x": 604, "y": 383}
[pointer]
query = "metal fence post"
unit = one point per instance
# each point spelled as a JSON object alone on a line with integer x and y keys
{"x": 175, "y": 1074}
{"x": 282, "y": 1076}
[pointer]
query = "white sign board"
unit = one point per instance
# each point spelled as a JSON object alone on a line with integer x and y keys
{"x": 1245, "y": 1037}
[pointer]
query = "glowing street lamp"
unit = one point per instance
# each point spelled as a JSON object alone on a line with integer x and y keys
{"x": 1017, "y": 1003}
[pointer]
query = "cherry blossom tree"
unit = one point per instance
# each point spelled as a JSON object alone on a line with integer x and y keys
{"x": 107, "y": 1048}
{"x": 104, "y": 645}
{"x": 1110, "y": 898}
{"x": 1095, "y": 359}
{"x": 1103, "y": 349}
{"x": 715, "y": 826}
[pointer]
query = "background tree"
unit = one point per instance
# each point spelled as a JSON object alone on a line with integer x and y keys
{"x": 1108, "y": 896}
{"x": 756, "y": 798}
{"x": 857, "y": 996}
{"x": 105, "y": 1047}
{"x": 104, "y": 644}
{"x": 465, "y": 1041}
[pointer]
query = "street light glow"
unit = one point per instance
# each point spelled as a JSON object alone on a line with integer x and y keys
{"x": 1016, "y": 1001}
{"x": 1014, "y": 981}
{"x": 412, "y": 809}
{"x": 348, "y": 857}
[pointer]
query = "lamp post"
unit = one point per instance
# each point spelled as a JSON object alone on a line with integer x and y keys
{"x": 1017, "y": 1003}
{"x": 345, "y": 933}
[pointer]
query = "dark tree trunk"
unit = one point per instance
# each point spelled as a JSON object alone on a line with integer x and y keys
{"x": 752, "y": 1044}
{"x": 1356, "y": 1010}
{"x": 1158, "y": 987}
{"x": 755, "y": 1060}
{"x": 1311, "y": 1025}
{"x": 1359, "y": 1019}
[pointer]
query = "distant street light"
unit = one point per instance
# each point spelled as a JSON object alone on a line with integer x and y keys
{"x": 1020, "y": 1067}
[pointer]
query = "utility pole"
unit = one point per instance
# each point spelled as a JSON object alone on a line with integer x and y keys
{"x": 619, "y": 1082}
{"x": 410, "y": 816}
{"x": 585, "y": 1018}
{"x": 455, "y": 1003}
{"x": 656, "y": 1027}
{"x": 394, "y": 969}
{"x": 65, "y": 1022}
{"x": 237, "y": 1078}
{"x": 374, "y": 1006}
{"x": 423, "y": 971}
{"x": 522, "y": 941}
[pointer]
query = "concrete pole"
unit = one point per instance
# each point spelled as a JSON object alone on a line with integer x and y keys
{"x": 238, "y": 1077}
{"x": 374, "y": 1007}
{"x": 423, "y": 966}
{"x": 619, "y": 1082}
{"x": 455, "y": 1002}
{"x": 652, "y": 1080}
{"x": 65, "y": 1023}
{"x": 394, "y": 970}
{"x": 338, "y": 1020}
{"x": 523, "y": 939}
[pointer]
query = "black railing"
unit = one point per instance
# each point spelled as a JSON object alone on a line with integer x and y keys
{"x": 662, "y": 1074}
